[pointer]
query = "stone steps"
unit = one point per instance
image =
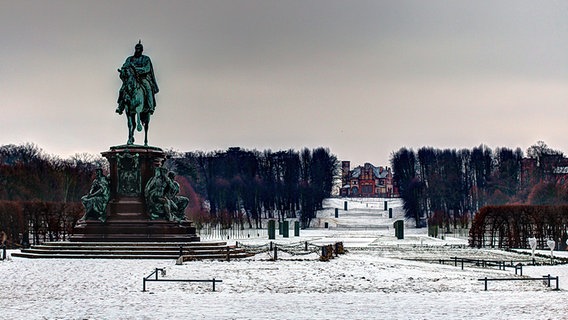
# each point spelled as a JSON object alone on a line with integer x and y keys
{"x": 132, "y": 250}
{"x": 119, "y": 229}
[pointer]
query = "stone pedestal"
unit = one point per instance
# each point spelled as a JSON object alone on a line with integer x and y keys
{"x": 130, "y": 169}
{"x": 131, "y": 166}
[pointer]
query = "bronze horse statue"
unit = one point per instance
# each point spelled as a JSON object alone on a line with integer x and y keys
{"x": 132, "y": 100}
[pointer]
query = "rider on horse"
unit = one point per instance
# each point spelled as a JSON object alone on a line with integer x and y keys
{"x": 139, "y": 86}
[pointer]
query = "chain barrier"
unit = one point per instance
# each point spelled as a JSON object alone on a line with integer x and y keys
{"x": 325, "y": 252}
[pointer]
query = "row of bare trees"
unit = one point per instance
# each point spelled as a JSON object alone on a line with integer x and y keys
{"x": 245, "y": 186}
{"x": 448, "y": 186}
{"x": 32, "y": 222}
{"x": 40, "y": 194}
{"x": 511, "y": 226}
{"x": 27, "y": 173}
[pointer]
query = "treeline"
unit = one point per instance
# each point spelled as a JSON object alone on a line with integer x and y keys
{"x": 511, "y": 226}
{"x": 32, "y": 222}
{"x": 40, "y": 194}
{"x": 448, "y": 186}
{"x": 28, "y": 174}
{"x": 227, "y": 187}
{"x": 245, "y": 186}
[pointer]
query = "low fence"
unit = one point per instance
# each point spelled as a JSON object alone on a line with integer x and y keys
{"x": 546, "y": 279}
{"x": 216, "y": 232}
{"x": 325, "y": 252}
{"x": 162, "y": 271}
{"x": 502, "y": 265}
{"x": 483, "y": 263}
{"x": 442, "y": 232}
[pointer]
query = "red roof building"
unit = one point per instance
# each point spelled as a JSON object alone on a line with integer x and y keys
{"x": 367, "y": 181}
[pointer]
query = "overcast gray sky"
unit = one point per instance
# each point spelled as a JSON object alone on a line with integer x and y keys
{"x": 363, "y": 78}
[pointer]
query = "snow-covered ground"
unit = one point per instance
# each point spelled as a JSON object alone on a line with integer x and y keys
{"x": 379, "y": 277}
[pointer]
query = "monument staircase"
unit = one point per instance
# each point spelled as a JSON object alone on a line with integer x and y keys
{"x": 134, "y": 250}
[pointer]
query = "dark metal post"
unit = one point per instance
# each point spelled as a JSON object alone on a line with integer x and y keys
{"x": 462, "y": 263}
{"x": 520, "y": 268}
{"x": 271, "y": 229}
{"x": 275, "y": 253}
{"x": 306, "y": 249}
{"x": 548, "y": 279}
{"x": 286, "y": 229}
{"x": 557, "y": 283}
{"x": 485, "y": 283}
{"x": 156, "y": 273}
{"x": 228, "y": 255}
{"x": 213, "y": 284}
{"x": 144, "y": 284}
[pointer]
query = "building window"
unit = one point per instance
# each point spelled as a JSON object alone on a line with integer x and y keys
{"x": 367, "y": 189}
{"x": 354, "y": 191}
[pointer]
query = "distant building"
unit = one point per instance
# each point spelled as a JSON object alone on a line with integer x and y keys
{"x": 367, "y": 181}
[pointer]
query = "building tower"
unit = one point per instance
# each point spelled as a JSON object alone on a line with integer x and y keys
{"x": 345, "y": 168}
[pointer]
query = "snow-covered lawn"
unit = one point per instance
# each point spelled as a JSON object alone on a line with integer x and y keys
{"x": 379, "y": 277}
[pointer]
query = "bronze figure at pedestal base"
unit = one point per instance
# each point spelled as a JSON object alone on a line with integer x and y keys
{"x": 130, "y": 215}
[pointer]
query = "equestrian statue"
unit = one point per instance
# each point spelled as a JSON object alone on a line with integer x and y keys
{"x": 136, "y": 97}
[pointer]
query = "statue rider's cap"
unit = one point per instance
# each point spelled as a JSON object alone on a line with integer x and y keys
{"x": 139, "y": 45}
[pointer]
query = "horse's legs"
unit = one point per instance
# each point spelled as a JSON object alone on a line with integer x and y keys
{"x": 138, "y": 125}
{"x": 130, "y": 120}
{"x": 146, "y": 121}
{"x": 146, "y": 132}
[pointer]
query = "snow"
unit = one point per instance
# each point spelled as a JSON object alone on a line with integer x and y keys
{"x": 379, "y": 277}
